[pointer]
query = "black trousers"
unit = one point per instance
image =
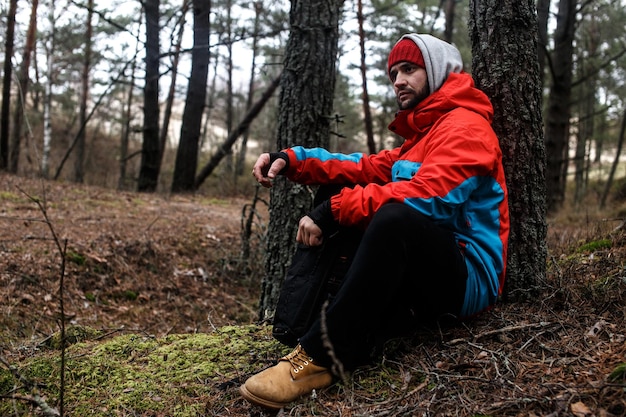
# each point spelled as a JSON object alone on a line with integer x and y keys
{"x": 406, "y": 271}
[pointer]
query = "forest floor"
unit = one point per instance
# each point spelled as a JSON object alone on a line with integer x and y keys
{"x": 163, "y": 266}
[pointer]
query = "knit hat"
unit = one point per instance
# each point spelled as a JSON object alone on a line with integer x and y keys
{"x": 405, "y": 51}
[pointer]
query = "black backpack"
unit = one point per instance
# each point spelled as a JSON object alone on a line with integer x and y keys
{"x": 315, "y": 275}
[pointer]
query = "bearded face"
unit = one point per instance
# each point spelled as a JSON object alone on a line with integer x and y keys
{"x": 410, "y": 83}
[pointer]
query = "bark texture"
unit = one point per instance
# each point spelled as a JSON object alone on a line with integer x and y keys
{"x": 187, "y": 154}
{"x": 150, "y": 151}
{"x": 306, "y": 101}
{"x": 505, "y": 66}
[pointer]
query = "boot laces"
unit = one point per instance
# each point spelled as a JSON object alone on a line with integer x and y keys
{"x": 298, "y": 359}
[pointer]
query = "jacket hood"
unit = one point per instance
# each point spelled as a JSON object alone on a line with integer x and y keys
{"x": 440, "y": 58}
{"x": 457, "y": 91}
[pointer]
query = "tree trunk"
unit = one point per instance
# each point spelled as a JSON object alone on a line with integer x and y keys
{"x": 79, "y": 161}
{"x": 125, "y": 136}
{"x": 584, "y": 135}
{"x": 503, "y": 35}
{"x": 587, "y": 105}
{"x": 127, "y": 116}
{"x": 450, "y": 12}
{"x": 187, "y": 154}
{"x": 228, "y": 166}
{"x": 241, "y": 159}
{"x": 6, "y": 85}
{"x": 169, "y": 102}
{"x": 16, "y": 142}
{"x": 210, "y": 105}
{"x": 367, "y": 114}
{"x": 618, "y": 153}
{"x": 47, "y": 105}
{"x": 601, "y": 133}
{"x": 151, "y": 150}
{"x": 306, "y": 100}
{"x": 558, "y": 109}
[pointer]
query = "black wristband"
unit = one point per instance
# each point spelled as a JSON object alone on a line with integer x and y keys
{"x": 280, "y": 155}
{"x": 323, "y": 217}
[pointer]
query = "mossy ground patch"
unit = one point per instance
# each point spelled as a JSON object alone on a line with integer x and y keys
{"x": 143, "y": 375}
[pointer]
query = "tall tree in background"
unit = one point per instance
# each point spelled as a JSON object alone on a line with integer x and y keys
{"x": 241, "y": 158}
{"x": 367, "y": 114}
{"x": 127, "y": 114}
{"x": 47, "y": 102}
{"x": 586, "y": 97}
{"x": 187, "y": 154}
{"x": 228, "y": 29}
{"x": 618, "y": 152}
{"x": 79, "y": 161}
{"x": 610, "y": 68}
{"x": 151, "y": 150}
{"x": 126, "y": 125}
{"x": 450, "y": 14}
{"x": 171, "y": 94}
{"x": 306, "y": 100}
{"x": 557, "y": 118}
{"x": 24, "y": 79}
{"x": 6, "y": 85}
{"x": 504, "y": 39}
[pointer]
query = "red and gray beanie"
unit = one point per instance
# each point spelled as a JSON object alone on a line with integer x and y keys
{"x": 438, "y": 57}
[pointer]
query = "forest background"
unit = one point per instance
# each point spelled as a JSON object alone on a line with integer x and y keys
{"x": 76, "y": 75}
{"x": 125, "y": 97}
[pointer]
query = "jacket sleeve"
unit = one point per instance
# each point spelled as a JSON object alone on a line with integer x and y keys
{"x": 453, "y": 159}
{"x": 313, "y": 166}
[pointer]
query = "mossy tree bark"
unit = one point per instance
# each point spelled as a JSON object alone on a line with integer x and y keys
{"x": 505, "y": 65}
{"x": 306, "y": 103}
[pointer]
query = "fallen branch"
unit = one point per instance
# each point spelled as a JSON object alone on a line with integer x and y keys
{"x": 500, "y": 331}
{"x": 34, "y": 399}
{"x": 224, "y": 148}
{"x": 37, "y": 401}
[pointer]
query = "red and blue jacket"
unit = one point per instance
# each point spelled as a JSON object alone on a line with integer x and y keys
{"x": 449, "y": 168}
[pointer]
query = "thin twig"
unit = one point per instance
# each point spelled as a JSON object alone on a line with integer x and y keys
{"x": 499, "y": 331}
{"x": 61, "y": 246}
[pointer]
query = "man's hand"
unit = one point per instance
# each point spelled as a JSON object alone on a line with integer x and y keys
{"x": 309, "y": 233}
{"x": 264, "y": 172}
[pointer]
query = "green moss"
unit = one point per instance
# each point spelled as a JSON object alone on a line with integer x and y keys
{"x": 619, "y": 373}
{"x": 77, "y": 258}
{"x": 130, "y": 295}
{"x": 138, "y": 202}
{"x": 215, "y": 202}
{"x": 73, "y": 334}
{"x": 142, "y": 375}
{"x": 12, "y": 197}
{"x": 596, "y": 245}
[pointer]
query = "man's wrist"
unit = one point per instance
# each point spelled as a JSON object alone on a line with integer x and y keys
{"x": 280, "y": 155}
{"x": 322, "y": 215}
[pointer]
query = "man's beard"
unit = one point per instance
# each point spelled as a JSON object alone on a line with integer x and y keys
{"x": 417, "y": 98}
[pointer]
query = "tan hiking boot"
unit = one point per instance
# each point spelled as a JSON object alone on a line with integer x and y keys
{"x": 294, "y": 376}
